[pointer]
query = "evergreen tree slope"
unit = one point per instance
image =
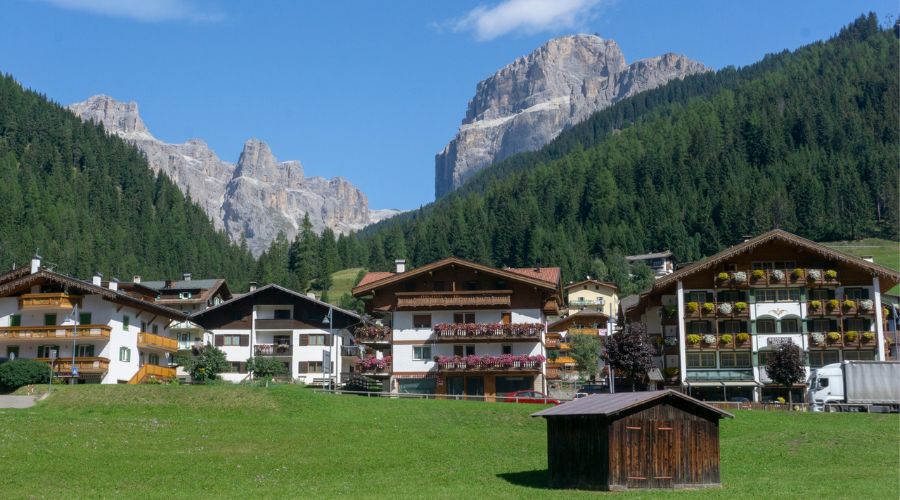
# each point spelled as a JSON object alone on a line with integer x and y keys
{"x": 89, "y": 202}
{"x": 806, "y": 141}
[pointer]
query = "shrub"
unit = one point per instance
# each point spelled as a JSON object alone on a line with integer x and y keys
{"x": 723, "y": 277}
{"x": 694, "y": 339}
{"x": 708, "y": 307}
{"x": 726, "y": 338}
{"x": 693, "y": 306}
{"x": 833, "y": 304}
{"x": 21, "y": 372}
{"x": 833, "y": 336}
{"x": 851, "y": 336}
{"x": 758, "y": 274}
{"x": 740, "y": 306}
{"x": 743, "y": 337}
{"x": 815, "y": 305}
{"x": 868, "y": 336}
{"x": 831, "y": 274}
{"x": 848, "y": 304}
{"x": 797, "y": 274}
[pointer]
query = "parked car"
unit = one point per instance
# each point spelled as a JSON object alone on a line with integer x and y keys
{"x": 589, "y": 389}
{"x": 529, "y": 397}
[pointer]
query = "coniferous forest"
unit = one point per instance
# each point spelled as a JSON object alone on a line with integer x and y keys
{"x": 806, "y": 141}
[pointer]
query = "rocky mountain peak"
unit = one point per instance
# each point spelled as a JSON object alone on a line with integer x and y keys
{"x": 527, "y": 103}
{"x": 117, "y": 117}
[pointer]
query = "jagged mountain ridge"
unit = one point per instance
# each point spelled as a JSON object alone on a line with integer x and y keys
{"x": 529, "y": 102}
{"x": 253, "y": 199}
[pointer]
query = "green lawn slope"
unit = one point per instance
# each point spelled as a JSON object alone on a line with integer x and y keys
{"x": 289, "y": 442}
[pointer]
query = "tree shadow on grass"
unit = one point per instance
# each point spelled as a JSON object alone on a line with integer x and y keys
{"x": 536, "y": 478}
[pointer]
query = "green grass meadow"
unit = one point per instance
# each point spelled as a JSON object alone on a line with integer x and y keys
{"x": 342, "y": 282}
{"x": 291, "y": 442}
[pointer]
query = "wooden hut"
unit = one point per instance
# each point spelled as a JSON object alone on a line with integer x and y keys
{"x": 633, "y": 440}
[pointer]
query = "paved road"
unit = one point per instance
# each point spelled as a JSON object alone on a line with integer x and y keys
{"x": 16, "y": 401}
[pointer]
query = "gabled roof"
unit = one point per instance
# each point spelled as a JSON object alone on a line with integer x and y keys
{"x": 563, "y": 324}
{"x": 197, "y": 317}
{"x": 769, "y": 237}
{"x": 591, "y": 281}
{"x": 546, "y": 277}
{"x": 12, "y": 281}
{"x": 208, "y": 288}
{"x": 613, "y": 404}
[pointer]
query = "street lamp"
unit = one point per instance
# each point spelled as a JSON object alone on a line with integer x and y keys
{"x": 74, "y": 317}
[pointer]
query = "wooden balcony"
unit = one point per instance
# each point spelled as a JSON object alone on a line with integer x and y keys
{"x": 51, "y": 333}
{"x": 454, "y": 300}
{"x": 149, "y": 372}
{"x": 273, "y": 350}
{"x": 372, "y": 334}
{"x": 553, "y": 371}
{"x": 840, "y": 308}
{"x": 716, "y": 310}
{"x": 850, "y": 340}
{"x": 31, "y": 301}
{"x": 488, "y": 332}
{"x": 583, "y": 331}
{"x": 86, "y": 365}
{"x": 552, "y": 342}
{"x": 152, "y": 341}
{"x": 774, "y": 278}
{"x": 718, "y": 343}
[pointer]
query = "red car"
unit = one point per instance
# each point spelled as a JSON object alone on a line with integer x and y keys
{"x": 529, "y": 397}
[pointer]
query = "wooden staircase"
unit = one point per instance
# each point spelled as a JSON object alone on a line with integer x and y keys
{"x": 148, "y": 371}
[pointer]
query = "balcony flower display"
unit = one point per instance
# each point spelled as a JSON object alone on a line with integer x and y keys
{"x": 474, "y": 362}
{"x": 833, "y": 337}
{"x": 739, "y": 277}
{"x": 848, "y": 304}
{"x": 833, "y": 304}
{"x": 851, "y": 336}
{"x": 708, "y": 307}
{"x": 868, "y": 336}
{"x": 831, "y": 275}
{"x": 726, "y": 338}
{"x": 721, "y": 277}
{"x": 743, "y": 337}
{"x": 815, "y": 305}
{"x": 725, "y": 308}
{"x": 758, "y": 274}
{"x": 692, "y": 307}
{"x": 797, "y": 274}
{"x": 694, "y": 339}
{"x": 778, "y": 275}
{"x": 671, "y": 341}
{"x": 817, "y": 338}
{"x": 866, "y": 305}
{"x": 487, "y": 329}
{"x": 371, "y": 363}
{"x": 709, "y": 339}
{"x": 740, "y": 307}
{"x": 372, "y": 332}
{"x": 814, "y": 274}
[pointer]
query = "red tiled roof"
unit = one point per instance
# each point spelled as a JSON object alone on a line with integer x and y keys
{"x": 548, "y": 274}
{"x": 373, "y": 276}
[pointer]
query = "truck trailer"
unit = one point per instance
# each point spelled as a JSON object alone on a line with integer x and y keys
{"x": 859, "y": 386}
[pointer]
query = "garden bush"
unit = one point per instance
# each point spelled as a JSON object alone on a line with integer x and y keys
{"x": 22, "y": 372}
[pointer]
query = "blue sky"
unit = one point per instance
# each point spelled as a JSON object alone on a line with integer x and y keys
{"x": 366, "y": 90}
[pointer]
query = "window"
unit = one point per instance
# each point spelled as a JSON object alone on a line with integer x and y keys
{"x": 856, "y": 324}
{"x": 463, "y": 317}
{"x": 84, "y": 350}
{"x": 143, "y": 326}
{"x": 731, "y": 326}
{"x": 125, "y": 322}
{"x": 153, "y": 358}
{"x": 856, "y": 293}
{"x": 282, "y": 314}
{"x": 463, "y": 350}
{"x": 731, "y": 266}
{"x": 156, "y": 329}
{"x": 696, "y": 297}
{"x": 233, "y": 340}
{"x": 763, "y": 357}
{"x": 421, "y": 321}
{"x": 317, "y": 340}
{"x": 818, "y": 359}
{"x": 698, "y": 327}
{"x": 506, "y": 349}
{"x": 238, "y": 367}
{"x": 124, "y": 354}
{"x": 778, "y": 295}
{"x": 701, "y": 360}
{"x": 422, "y": 352}
{"x": 315, "y": 367}
{"x": 859, "y": 355}
{"x": 15, "y": 320}
{"x": 44, "y": 350}
{"x": 84, "y": 318}
{"x": 790, "y": 325}
{"x": 765, "y": 326}
{"x": 732, "y": 296}
{"x": 734, "y": 359}
{"x": 184, "y": 295}
{"x": 438, "y": 286}
{"x": 49, "y": 319}
{"x": 12, "y": 351}
{"x": 821, "y": 294}
{"x": 783, "y": 265}
{"x": 821, "y": 325}
{"x": 501, "y": 285}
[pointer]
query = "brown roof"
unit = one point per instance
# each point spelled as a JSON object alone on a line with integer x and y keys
{"x": 563, "y": 324}
{"x": 547, "y": 277}
{"x": 596, "y": 282}
{"x": 373, "y": 276}
{"x": 613, "y": 404}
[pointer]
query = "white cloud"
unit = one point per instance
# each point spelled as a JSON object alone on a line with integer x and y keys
{"x": 151, "y": 11}
{"x": 530, "y": 16}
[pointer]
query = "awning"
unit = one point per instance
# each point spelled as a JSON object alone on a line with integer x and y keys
{"x": 730, "y": 383}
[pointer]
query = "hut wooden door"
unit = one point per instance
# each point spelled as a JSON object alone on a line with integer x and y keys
{"x": 636, "y": 463}
{"x": 649, "y": 454}
{"x": 663, "y": 451}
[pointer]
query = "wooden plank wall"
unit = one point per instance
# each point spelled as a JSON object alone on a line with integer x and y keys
{"x": 578, "y": 451}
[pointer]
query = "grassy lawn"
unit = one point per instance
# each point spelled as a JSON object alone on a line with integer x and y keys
{"x": 342, "y": 282}
{"x": 885, "y": 252}
{"x": 287, "y": 441}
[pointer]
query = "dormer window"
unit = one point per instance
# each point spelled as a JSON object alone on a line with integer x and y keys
{"x": 184, "y": 295}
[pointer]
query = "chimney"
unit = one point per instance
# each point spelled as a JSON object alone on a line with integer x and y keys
{"x": 867, "y": 258}
{"x": 252, "y": 286}
{"x": 97, "y": 279}
{"x": 169, "y": 283}
{"x": 137, "y": 279}
{"x": 311, "y": 295}
{"x": 186, "y": 276}
{"x": 114, "y": 285}
{"x": 400, "y": 265}
{"x": 35, "y": 263}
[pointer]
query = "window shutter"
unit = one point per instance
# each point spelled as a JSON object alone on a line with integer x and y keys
{"x": 709, "y": 297}
{"x": 304, "y": 340}
{"x": 244, "y": 340}
{"x": 220, "y": 340}
{"x": 830, "y": 293}
{"x": 327, "y": 340}
{"x": 303, "y": 367}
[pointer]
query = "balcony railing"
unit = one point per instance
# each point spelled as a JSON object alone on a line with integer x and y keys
{"x": 720, "y": 341}
{"x": 584, "y": 331}
{"x": 273, "y": 350}
{"x": 552, "y": 371}
{"x": 460, "y": 299}
{"x": 85, "y": 364}
{"x": 726, "y": 310}
{"x": 552, "y": 342}
{"x": 776, "y": 277}
{"x": 834, "y": 307}
{"x": 372, "y": 365}
{"x": 48, "y": 301}
{"x": 372, "y": 334}
{"x": 149, "y": 372}
{"x": 504, "y": 362}
{"x": 148, "y": 340}
{"x": 852, "y": 339}
{"x": 43, "y": 333}
{"x": 454, "y": 332}
{"x": 720, "y": 375}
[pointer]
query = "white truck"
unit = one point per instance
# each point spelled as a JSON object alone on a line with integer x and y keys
{"x": 871, "y": 386}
